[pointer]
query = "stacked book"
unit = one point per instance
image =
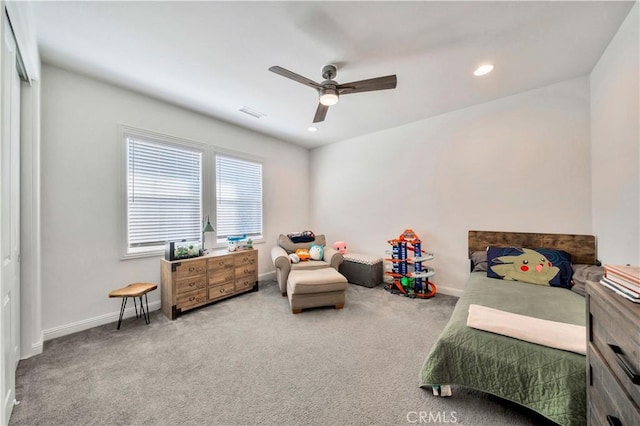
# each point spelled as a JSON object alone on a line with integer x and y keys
{"x": 624, "y": 280}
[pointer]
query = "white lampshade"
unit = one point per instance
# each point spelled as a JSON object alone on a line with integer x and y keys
{"x": 329, "y": 97}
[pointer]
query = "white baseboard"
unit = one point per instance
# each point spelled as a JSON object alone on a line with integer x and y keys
{"x": 63, "y": 330}
{"x": 36, "y": 349}
{"x": 74, "y": 327}
{"x": 450, "y": 291}
{"x": 268, "y": 276}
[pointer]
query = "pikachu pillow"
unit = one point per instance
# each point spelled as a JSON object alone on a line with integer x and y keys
{"x": 535, "y": 266}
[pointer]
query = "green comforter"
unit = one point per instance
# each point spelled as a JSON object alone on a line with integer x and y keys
{"x": 549, "y": 381}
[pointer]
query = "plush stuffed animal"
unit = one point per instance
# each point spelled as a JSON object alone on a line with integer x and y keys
{"x": 316, "y": 252}
{"x": 294, "y": 258}
{"x": 303, "y": 254}
{"x": 340, "y": 247}
{"x": 530, "y": 266}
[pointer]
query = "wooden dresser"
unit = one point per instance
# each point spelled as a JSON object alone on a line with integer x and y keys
{"x": 189, "y": 283}
{"x": 613, "y": 357}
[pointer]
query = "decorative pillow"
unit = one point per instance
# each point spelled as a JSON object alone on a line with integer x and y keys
{"x": 316, "y": 252}
{"x": 479, "y": 261}
{"x": 540, "y": 266}
{"x": 303, "y": 254}
{"x": 291, "y": 247}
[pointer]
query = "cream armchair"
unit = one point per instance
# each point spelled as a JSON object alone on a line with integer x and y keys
{"x": 280, "y": 256}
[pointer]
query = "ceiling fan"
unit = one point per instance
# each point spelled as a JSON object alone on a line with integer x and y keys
{"x": 330, "y": 91}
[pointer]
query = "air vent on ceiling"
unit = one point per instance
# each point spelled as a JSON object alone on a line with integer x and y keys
{"x": 252, "y": 112}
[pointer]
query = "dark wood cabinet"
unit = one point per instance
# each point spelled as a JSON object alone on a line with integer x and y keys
{"x": 613, "y": 358}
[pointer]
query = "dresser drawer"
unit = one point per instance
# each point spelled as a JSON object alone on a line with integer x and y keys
{"x": 618, "y": 342}
{"x": 191, "y": 268}
{"x": 216, "y": 292}
{"x": 191, "y": 300}
{"x": 246, "y": 271}
{"x": 248, "y": 257}
{"x": 607, "y": 399}
{"x": 191, "y": 283}
{"x": 244, "y": 284}
{"x": 221, "y": 262}
{"x": 221, "y": 276}
{"x": 594, "y": 415}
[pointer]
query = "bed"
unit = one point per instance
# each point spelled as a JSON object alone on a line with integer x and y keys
{"x": 549, "y": 381}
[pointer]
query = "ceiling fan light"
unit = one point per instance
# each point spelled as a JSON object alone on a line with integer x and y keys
{"x": 328, "y": 97}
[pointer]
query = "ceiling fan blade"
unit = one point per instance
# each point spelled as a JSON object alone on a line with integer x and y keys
{"x": 321, "y": 113}
{"x": 379, "y": 83}
{"x": 295, "y": 77}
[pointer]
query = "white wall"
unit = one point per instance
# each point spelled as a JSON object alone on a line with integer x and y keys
{"x": 520, "y": 163}
{"x": 82, "y": 193}
{"x": 615, "y": 140}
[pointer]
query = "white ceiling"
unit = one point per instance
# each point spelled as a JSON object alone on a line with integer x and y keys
{"x": 213, "y": 57}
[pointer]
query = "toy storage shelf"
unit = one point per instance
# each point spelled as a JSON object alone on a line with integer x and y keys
{"x": 406, "y": 273}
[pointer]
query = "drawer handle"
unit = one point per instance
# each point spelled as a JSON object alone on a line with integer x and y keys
{"x": 613, "y": 421}
{"x": 622, "y": 362}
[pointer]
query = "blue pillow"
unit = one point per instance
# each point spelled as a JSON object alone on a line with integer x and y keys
{"x": 536, "y": 266}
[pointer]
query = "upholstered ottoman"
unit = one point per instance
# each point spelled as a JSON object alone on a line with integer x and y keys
{"x": 315, "y": 288}
{"x": 362, "y": 269}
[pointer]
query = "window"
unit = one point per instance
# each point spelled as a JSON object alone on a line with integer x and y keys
{"x": 172, "y": 185}
{"x": 238, "y": 197}
{"x": 164, "y": 194}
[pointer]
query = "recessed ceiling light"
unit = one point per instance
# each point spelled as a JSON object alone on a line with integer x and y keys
{"x": 312, "y": 129}
{"x": 483, "y": 69}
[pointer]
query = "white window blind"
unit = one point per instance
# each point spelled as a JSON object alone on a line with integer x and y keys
{"x": 238, "y": 197}
{"x": 164, "y": 194}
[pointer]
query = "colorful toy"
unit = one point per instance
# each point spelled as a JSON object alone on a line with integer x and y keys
{"x": 410, "y": 283}
{"x": 316, "y": 252}
{"x": 340, "y": 247}
{"x": 294, "y": 258}
{"x": 232, "y": 241}
{"x": 303, "y": 254}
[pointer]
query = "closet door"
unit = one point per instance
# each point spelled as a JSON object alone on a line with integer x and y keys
{"x": 9, "y": 219}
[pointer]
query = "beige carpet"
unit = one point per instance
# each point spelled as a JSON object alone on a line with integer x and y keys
{"x": 248, "y": 360}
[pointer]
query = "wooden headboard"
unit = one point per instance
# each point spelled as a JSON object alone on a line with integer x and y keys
{"x": 582, "y": 248}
